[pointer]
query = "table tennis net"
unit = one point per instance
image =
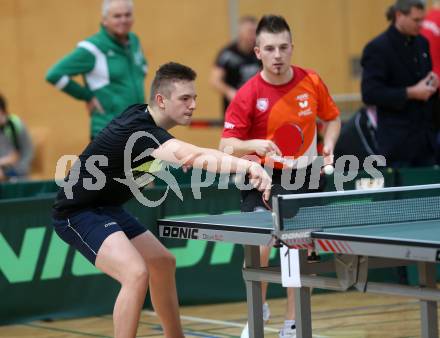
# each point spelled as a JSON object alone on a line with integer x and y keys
{"x": 321, "y": 212}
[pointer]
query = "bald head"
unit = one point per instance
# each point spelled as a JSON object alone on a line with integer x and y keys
{"x": 246, "y": 33}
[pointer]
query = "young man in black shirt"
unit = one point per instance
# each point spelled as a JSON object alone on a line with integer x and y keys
{"x": 88, "y": 213}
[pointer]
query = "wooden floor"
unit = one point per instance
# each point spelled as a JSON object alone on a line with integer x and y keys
{"x": 342, "y": 315}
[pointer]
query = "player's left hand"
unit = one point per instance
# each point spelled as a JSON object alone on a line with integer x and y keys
{"x": 327, "y": 153}
{"x": 260, "y": 180}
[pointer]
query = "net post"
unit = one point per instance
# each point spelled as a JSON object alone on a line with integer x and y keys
{"x": 276, "y": 216}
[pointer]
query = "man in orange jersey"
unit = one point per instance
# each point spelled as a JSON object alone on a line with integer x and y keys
{"x": 280, "y": 95}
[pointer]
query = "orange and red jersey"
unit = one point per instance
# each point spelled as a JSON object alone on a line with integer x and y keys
{"x": 260, "y": 108}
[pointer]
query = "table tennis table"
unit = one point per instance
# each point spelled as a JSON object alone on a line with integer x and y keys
{"x": 363, "y": 229}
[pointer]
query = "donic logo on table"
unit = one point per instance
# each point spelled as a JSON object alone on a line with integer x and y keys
{"x": 180, "y": 232}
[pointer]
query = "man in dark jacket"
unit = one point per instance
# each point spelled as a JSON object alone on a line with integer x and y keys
{"x": 398, "y": 79}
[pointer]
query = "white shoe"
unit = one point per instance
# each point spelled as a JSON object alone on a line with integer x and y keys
{"x": 245, "y": 332}
{"x": 266, "y": 312}
{"x": 287, "y": 332}
{"x": 266, "y": 316}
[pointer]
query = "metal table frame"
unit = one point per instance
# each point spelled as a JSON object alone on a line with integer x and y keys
{"x": 352, "y": 273}
{"x": 351, "y": 269}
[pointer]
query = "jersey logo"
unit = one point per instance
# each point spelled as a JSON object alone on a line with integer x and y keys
{"x": 303, "y": 100}
{"x": 229, "y": 125}
{"x": 110, "y": 53}
{"x": 262, "y": 104}
{"x": 303, "y": 104}
{"x": 431, "y": 26}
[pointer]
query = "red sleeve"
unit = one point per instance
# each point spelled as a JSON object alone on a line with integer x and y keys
{"x": 431, "y": 31}
{"x": 238, "y": 115}
{"x": 327, "y": 109}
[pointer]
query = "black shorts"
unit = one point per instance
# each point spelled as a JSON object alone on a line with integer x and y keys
{"x": 87, "y": 230}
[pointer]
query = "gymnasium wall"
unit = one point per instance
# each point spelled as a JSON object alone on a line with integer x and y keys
{"x": 35, "y": 34}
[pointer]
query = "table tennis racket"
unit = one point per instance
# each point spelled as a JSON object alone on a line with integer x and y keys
{"x": 289, "y": 138}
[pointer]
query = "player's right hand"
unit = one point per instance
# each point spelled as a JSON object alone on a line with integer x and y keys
{"x": 260, "y": 180}
{"x": 265, "y": 148}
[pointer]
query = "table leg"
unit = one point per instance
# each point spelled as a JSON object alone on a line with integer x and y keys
{"x": 303, "y": 313}
{"x": 253, "y": 293}
{"x": 428, "y": 309}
